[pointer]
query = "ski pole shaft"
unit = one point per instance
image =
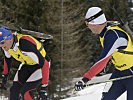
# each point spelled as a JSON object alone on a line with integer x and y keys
{"x": 112, "y": 80}
{"x": 2, "y": 87}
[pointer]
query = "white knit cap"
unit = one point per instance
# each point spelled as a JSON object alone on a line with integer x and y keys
{"x": 93, "y": 11}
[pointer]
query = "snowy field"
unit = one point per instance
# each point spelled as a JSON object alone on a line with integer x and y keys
{"x": 93, "y": 92}
{"x": 3, "y": 98}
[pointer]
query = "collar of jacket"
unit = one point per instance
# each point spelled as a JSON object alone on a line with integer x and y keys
{"x": 15, "y": 41}
{"x": 104, "y": 30}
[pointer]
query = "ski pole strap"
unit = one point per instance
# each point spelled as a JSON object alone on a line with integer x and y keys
{"x": 41, "y": 48}
{"x": 112, "y": 80}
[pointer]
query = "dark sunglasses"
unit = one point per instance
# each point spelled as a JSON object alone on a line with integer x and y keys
{"x": 3, "y": 41}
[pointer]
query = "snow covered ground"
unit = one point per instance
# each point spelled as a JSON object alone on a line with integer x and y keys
{"x": 93, "y": 92}
{"x": 3, "y": 98}
{"x": 131, "y": 9}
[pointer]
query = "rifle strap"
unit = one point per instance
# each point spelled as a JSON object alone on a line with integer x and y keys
{"x": 125, "y": 52}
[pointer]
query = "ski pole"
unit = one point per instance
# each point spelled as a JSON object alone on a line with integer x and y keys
{"x": 2, "y": 87}
{"x": 1, "y": 91}
{"x": 111, "y": 80}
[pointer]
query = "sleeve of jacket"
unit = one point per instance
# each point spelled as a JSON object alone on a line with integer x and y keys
{"x": 46, "y": 70}
{"x": 7, "y": 65}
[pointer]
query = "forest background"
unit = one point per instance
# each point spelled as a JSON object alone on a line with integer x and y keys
{"x": 74, "y": 49}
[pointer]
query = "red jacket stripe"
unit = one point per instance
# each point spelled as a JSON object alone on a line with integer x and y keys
{"x": 5, "y": 71}
{"x": 96, "y": 68}
{"x": 29, "y": 39}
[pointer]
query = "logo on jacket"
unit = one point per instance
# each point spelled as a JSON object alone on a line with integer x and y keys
{"x": 121, "y": 66}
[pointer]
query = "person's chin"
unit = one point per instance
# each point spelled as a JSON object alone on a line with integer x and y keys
{"x": 6, "y": 49}
{"x": 95, "y": 33}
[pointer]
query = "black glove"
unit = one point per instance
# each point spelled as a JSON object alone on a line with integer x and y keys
{"x": 43, "y": 92}
{"x": 4, "y": 81}
{"x": 81, "y": 84}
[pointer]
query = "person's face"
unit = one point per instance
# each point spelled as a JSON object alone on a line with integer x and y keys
{"x": 93, "y": 28}
{"x": 7, "y": 44}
